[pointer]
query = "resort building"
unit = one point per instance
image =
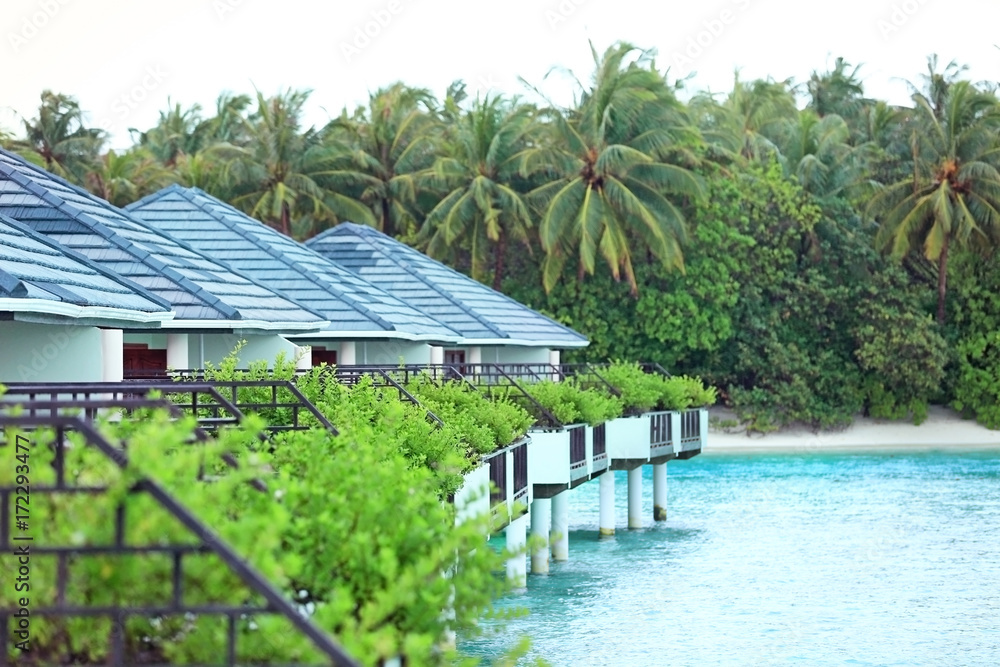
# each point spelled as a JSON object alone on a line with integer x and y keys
{"x": 214, "y": 306}
{"x": 366, "y": 324}
{"x": 57, "y": 307}
{"x": 494, "y": 327}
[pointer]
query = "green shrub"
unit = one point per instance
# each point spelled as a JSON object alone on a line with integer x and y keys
{"x": 572, "y": 405}
{"x": 639, "y": 390}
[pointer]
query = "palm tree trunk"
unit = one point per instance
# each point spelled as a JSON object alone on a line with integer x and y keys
{"x": 385, "y": 226}
{"x": 498, "y": 260}
{"x": 285, "y": 219}
{"x": 942, "y": 279}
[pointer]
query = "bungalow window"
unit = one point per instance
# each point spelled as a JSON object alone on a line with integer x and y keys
{"x": 139, "y": 360}
{"x": 455, "y": 359}
{"x": 321, "y": 355}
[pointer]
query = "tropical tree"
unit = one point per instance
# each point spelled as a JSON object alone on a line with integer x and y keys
{"x": 385, "y": 147}
{"x": 838, "y": 91}
{"x": 746, "y": 122}
{"x": 608, "y": 159}
{"x": 58, "y": 139}
{"x": 953, "y": 195}
{"x": 273, "y": 175}
{"x": 122, "y": 178}
{"x": 817, "y": 151}
{"x": 482, "y": 207}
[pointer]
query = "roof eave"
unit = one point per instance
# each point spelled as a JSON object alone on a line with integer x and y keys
{"x": 75, "y": 312}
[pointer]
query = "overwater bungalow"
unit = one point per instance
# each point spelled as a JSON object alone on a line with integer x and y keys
{"x": 366, "y": 324}
{"x": 55, "y": 305}
{"x": 214, "y": 306}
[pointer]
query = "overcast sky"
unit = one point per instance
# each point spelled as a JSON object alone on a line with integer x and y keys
{"x": 123, "y": 59}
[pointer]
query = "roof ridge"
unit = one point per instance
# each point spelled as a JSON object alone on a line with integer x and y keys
{"x": 111, "y": 236}
{"x": 86, "y": 261}
{"x": 370, "y": 238}
{"x": 369, "y": 233}
{"x": 273, "y": 252}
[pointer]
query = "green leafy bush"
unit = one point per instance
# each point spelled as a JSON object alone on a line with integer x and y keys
{"x": 376, "y": 569}
{"x": 639, "y": 390}
{"x": 572, "y": 405}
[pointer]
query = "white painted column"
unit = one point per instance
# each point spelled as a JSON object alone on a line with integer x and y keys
{"x": 607, "y": 521}
{"x": 559, "y": 535}
{"x": 305, "y": 357}
{"x": 113, "y": 355}
{"x": 635, "y": 498}
{"x": 541, "y": 520}
{"x": 437, "y": 355}
{"x": 177, "y": 351}
{"x": 348, "y": 354}
{"x": 516, "y": 532}
{"x": 475, "y": 358}
{"x": 554, "y": 357}
{"x": 660, "y": 492}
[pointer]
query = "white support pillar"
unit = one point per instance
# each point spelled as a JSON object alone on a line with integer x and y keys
{"x": 304, "y": 354}
{"x": 635, "y": 498}
{"x": 437, "y": 355}
{"x": 554, "y": 357}
{"x": 348, "y": 354}
{"x": 474, "y": 357}
{"x": 113, "y": 355}
{"x": 607, "y": 521}
{"x": 541, "y": 520}
{"x": 516, "y": 532}
{"x": 177, "y": 351}
{"x": 660, "y": 492}
{"x": 559, "y": 535}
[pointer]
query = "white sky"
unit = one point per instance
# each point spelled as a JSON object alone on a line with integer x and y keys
{"x": 124, "y": 58}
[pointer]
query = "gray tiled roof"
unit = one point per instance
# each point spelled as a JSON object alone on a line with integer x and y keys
{"x": 200, "y": 290}
{"x": 353, "y": 306}
{"x": 474, "y": 310}
{"x": 39, "y": 276}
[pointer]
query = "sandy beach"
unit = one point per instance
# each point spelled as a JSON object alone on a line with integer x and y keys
{"x": 943, "y": 429}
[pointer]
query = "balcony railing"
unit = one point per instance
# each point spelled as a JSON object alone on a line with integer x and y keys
{"x": 690, "y": 427}
{"x": 577, "y": 451}
{"x": 600, "y": 447}
{"x": 520, "y": 456}
{"x": 498, "y": 478}
{"x": 175, "y": 604}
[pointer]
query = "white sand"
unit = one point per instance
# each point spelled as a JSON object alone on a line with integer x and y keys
{"x": 943, "y": 429}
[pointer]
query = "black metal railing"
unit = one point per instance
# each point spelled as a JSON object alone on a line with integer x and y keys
{"x": 498, "y": 478}
{"x": 660, "y": 430}
{"x": 577, "y": 448}
{"x": 520, "y": 456}
{"x": 175, "y": 604}
{"x": 384, "y": 377}
{"x": 588, "y": 376}
{"x": 690, "y": 426}
{"x": 202, "y": 400}
{"x": 600, "y": 446}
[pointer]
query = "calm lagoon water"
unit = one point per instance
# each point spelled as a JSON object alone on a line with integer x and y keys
{"x": 780, "y": 559}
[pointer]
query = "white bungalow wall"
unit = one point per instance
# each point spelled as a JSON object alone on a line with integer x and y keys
{"x": 514, "y": 354}
{"x": 50, "y": 353}
{"x": 377, "y": 352}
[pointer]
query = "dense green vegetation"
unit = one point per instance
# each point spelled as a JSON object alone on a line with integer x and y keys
{"x": 809, "y": 250}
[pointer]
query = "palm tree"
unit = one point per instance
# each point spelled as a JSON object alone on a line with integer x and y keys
{"x": 747, "y": 121}
{"x": 953, "y": 194}
{"x": 838, "y": 91}
{"x": 58, "y": 139}
{"x": 123, "y": 178}
{"x": 818, "y": 153}
{"x": 385, "y": 146}
{"x": 609, "y": 171}
{"x": 273, "y": 176}
{"x": 482, "y": 208}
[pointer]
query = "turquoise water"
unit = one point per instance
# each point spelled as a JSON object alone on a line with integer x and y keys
{"x": 848, "y": 559}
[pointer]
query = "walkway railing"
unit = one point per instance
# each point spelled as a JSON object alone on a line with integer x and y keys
{"x": 69, "y": 555}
